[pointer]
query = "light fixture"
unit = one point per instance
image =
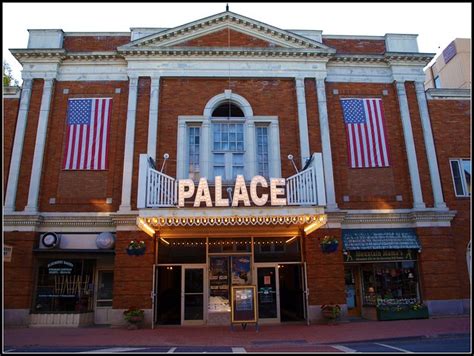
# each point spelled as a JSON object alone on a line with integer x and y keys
{"x": 165, "y": 157}
{"x": 290, "y": 157}
{"x": 145, "y": 227}
{"x": 291, "y": 239}
{"x": 166, "y": 242}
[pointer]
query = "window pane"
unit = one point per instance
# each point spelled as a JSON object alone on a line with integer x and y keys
{"x": 191, "y": 250}
{"x": 219, "y": 159}
{"x": 262, "y": 151}
{"x": 466, "y": 166}
{"x": 193, "y": 152}
{"x": 238, "y": 159}
{"x": 457, "y": 178}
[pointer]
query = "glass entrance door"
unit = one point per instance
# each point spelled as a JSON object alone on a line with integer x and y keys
{"x": 193, "y": 295}
{"x": 168, "y": 301}
{"x": 268, "y": 297}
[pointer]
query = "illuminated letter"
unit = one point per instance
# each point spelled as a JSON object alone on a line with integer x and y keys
{"x": 203, "y": 194}
{"x": 183, "y": 183}
{"x": 259, "y": 201}
{"x": 274, "y": 191}
{"x": 219, "y": 200}
{"x": 240, "y": 192}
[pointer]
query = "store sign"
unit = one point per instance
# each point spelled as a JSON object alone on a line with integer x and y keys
{"x": 7, "y": 253}
{"x": 60, "y": 267}
{"x": 186, "y": 190}
{"x": 379, "y": 255}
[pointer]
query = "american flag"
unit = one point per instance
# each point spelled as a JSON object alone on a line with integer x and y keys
{"x": 365, "y": 131}
{"x": 87, "y": 134}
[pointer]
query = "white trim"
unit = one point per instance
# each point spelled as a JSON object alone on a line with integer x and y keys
{"x": 228, "y": 95}
{"x": 326, "y": 145}
{"x": 430, "y": 146}
{"x": 129, "y": 145}
{"x": 153, "y": 117}
{"x": 17, "y": 150}
{"x": 302, "y": 120}
{"x": 461, "y": 174}
{"x": 40, "y": 144}
{"x": 410, "y": 147}
{"x": 353, "y": 37}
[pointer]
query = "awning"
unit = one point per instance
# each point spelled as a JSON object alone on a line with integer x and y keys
{"x": 380, "y": 239}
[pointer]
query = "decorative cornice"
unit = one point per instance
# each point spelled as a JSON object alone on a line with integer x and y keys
{"x": 61, "y": 221}
{"x": 412, "y": 217}
{"x": 388, "y": 57}
{"x": 448, "y": 94}
{"x": 46, "y": 53}
{"x": 113, "y": 55}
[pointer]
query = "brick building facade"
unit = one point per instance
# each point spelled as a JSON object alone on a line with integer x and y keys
{"x": 402, "y": 230}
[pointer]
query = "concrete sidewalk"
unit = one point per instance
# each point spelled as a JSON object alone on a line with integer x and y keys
{"x": 272, "y": 335}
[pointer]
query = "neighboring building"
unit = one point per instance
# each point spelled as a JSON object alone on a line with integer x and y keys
{"x": 147, "y": 135}
{"x": 452, "y": 68}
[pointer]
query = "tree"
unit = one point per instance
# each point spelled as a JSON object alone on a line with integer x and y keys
{"x": 8, "y": 79}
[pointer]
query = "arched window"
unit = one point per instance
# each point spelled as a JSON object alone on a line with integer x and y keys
{"x": 228, "y": 140}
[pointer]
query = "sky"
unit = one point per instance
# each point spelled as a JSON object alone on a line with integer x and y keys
{"x": 437, "y": 24}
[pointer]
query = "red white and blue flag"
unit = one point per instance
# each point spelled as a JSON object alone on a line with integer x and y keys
{"x": 365, "y": 131}
{"x": 88, "y": 122}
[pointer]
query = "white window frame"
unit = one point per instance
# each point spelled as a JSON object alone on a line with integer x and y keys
{"x": 206, "y": 141}
{"x": 461, "y": 173}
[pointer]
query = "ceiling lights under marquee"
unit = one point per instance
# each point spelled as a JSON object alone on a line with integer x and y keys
{"x": 154, "y": 223}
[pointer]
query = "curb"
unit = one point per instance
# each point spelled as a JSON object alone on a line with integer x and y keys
{"x": 406, "y": 338}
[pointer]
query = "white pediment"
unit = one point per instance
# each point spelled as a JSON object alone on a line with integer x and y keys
{"x": 181, "y": 35}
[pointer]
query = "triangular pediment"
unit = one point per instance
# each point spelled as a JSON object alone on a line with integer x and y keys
{"x": 226, "y": 29}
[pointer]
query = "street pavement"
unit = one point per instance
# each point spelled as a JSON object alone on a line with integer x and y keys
{"x": 451, "y": 334}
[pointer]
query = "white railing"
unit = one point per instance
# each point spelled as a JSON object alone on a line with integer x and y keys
{"x": 155, "y": 189}
{"x": 307, "y": 187}
{"x": 158, "y": 190}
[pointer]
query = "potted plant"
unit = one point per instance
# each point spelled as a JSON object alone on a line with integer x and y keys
{"x": 329, "y": 244}
{"x": 331, "y": 312}
{"x": 401, "y": 309}
{"x": 134, "y": 316}
{"x": 136, "y": 248}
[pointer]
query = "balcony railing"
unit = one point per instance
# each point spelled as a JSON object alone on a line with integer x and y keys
{"x": 158, "y": 190}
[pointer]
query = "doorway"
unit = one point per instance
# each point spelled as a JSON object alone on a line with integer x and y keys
{"x": 193, "y": 295}
{"x": 268, "y": 298}
{"x": 168, "y": 295}
{"x": 292, "y": 297}
{"x": 352, "y": 286}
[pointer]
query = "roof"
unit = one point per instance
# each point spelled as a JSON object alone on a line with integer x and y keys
{"x": 380, "y": 239}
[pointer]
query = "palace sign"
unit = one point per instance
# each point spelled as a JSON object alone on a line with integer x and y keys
{"x": 203, "y": 195}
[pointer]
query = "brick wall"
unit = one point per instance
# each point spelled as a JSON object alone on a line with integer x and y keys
{"x": 312, "y": 113}
{"x": 18, "y": 274}
{"x": 133, "y": 275}
{"x": 94, "y": 43}
{"x": 451, "y": 124}
{"x": 369, "y": 188}
{"x": 83, "y": 190}
{"x": 226, "y": 38}
{"x": 325, "y": 271}
{"x": 10, "y": 116}
{"x": 437, "y": 263}
{"x": 188, "y": 96}
{"x": 357, "y": 46}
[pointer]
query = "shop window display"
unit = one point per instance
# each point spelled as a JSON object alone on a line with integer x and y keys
{"x": 64, "y": 286}
{"x": 389, "y": 281}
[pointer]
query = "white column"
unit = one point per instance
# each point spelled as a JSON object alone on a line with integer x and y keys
{"x": 429, "y": 146}
{"x": 129, "y": 145}
{"x": 410, "y": 147}
{"x": 326, "y": 144}
{"x": 274, "y": 167}
{"x": 205, "y": 147}
{"x": 15, "y": 160}
{"x": 153, "y": 117}
{"x": 250, "y": 150}
{"x": 181, "y": 151}
{"x": 302, "y": 120}
{"x": 37, "y": 168}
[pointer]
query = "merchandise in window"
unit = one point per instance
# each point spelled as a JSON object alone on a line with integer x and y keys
{"x": 64, "y": 286}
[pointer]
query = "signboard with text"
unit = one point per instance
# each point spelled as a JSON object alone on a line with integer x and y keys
{"x": 380, "y": 255}
{"x": 243, "y": 304}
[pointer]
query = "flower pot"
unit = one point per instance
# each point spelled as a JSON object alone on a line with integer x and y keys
{"x": 136, "y": 251}
{"x": 329, "y": 248}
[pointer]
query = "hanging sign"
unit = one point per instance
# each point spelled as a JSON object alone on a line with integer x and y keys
{"x": 186, "y": 190}
{"x": 7, "y": 253}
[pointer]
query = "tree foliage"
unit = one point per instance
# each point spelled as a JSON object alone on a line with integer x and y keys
{"x": 8, "y": 79}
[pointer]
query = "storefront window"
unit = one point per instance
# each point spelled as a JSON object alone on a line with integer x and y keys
{"x": 277, "y": 250}
{"x": 392, "y": 280}
{"x": 182, "y": 250}
{"x": 64, "y": 286}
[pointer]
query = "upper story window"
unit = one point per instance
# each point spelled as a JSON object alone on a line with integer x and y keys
{"x": 437, "y": 82}
{"x": 228, "y": 140}
{"x": 461, "y": 171}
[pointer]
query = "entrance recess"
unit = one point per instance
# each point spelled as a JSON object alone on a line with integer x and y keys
{"x": 168, "y": 306}
{"x": 352, "y": 281}
{"x": 292, "y": 296}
